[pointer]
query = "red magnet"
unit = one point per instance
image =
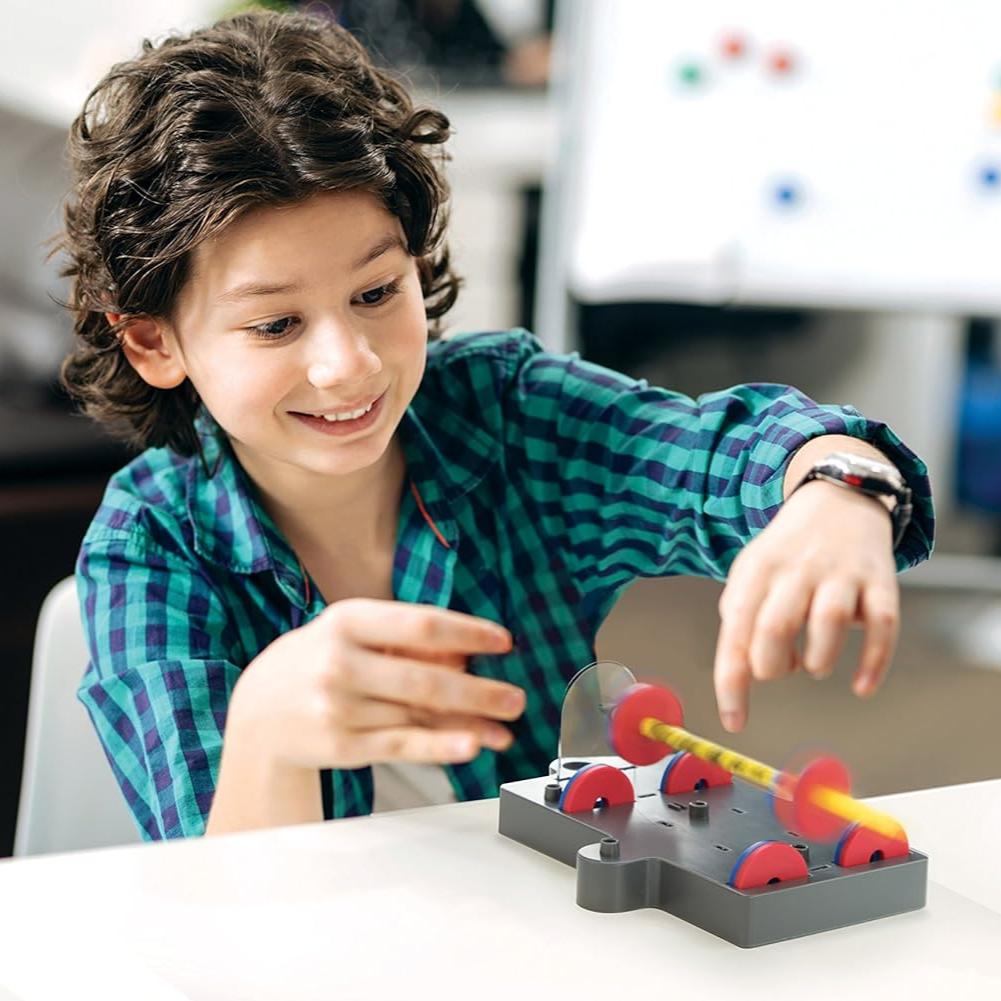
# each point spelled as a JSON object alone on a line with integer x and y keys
{"x": 635, "y": 704}
{"x": 782, "y": 62}
{"x": 686, "y": 773}
{"x": 860, "y": 845}
{"x": 767, "y": 862}
{"x": 593, "y": 783}
{"x": 791, "y": 799}
{"x": 733, "y": 46}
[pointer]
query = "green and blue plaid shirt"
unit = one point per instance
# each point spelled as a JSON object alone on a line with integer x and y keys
{"x": 547, "y": 484}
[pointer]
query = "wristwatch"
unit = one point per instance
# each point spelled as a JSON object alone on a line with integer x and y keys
{"x": 870, "y": 477}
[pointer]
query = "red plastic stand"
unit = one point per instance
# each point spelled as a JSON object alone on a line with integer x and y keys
{"x": 593, "y": 783}
{"x": 767, "y": 862}
{"x": 686, "y": 773}
{"x": 860, "y": 845}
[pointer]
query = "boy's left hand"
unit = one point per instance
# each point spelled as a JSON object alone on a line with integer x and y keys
{"x": 824, "y": 562}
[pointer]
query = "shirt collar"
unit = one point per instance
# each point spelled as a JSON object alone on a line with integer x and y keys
{"x": 232, "y": 529}
{"x": 447, "y": 462}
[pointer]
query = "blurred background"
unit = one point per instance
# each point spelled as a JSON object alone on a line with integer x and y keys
{"x": 696, "y": 194}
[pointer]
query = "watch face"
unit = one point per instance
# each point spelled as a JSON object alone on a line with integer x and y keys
{"x": 858, "y": 465}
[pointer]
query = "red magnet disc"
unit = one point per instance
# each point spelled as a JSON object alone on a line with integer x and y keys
{"x": 686, "y": 773}
{"x": 767, "y": 862}
{"x": 593, "y": 783}
{"x": 794, "y": 809}
{"x": 782, "y": 62}
{"x": 733, "y": 46}
{"x": 635, "y": 704}
{"x": 860, "y": 845}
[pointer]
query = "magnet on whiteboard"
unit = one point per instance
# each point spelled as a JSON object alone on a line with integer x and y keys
{"x": 787, "y": 194}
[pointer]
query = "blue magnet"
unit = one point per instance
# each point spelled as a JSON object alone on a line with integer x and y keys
{"x": 787, "y": 194}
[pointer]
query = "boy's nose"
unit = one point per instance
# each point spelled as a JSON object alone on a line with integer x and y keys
{"x": 342, "y": 359}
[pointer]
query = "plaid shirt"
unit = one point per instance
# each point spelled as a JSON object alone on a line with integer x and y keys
{"x": 540, "y": 486}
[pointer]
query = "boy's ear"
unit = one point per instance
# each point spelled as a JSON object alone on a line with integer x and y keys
{"x": 151, "y": 351}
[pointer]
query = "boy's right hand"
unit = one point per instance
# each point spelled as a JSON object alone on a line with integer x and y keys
{"x": 331, "y": 694}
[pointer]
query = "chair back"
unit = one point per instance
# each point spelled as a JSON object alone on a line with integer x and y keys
{"x": 69, "y": 797}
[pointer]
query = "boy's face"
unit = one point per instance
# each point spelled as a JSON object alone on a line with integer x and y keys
{"x": 336, "y": 322}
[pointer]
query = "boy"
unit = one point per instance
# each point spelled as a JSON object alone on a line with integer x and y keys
{"x": 316, "y": 566}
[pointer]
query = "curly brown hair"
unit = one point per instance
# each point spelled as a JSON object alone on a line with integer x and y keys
{"x": 172, "y": 146}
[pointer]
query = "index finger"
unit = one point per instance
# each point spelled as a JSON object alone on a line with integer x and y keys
{"x": 426, "y": 685}
{"x": 419, "y": 628}
{"x": 738, "y": 608}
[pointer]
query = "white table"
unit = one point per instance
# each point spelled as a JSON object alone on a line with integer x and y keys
{"x": 435, "y": 904}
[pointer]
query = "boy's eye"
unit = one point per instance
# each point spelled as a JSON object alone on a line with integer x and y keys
{"x": 376, "y": 296}
{"x": 273, "y": 329}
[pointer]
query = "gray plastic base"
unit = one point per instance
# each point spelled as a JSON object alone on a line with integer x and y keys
{"x": 681, "y": 865}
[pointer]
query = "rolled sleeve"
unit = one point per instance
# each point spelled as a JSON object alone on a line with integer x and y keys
{"x": 762, "y": 486}
{"x": 635, "y": 480}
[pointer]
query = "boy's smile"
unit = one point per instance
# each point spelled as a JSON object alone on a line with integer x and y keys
{"x": 338, "y": 423}
{"x": 303, "y": 329}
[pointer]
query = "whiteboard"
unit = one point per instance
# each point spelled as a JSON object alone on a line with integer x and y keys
{"x": 812, "y": 154}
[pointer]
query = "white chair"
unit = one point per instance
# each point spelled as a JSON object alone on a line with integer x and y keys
{"x": 69, "y": 797}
